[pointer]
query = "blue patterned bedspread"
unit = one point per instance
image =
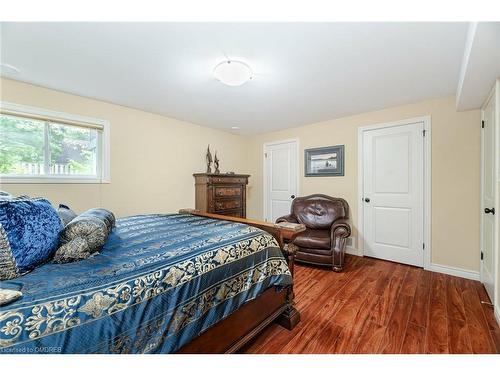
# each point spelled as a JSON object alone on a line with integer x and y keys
{"x": 159, "y": 282}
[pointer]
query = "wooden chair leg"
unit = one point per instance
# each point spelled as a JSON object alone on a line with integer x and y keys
{"x": 338, "y": 259}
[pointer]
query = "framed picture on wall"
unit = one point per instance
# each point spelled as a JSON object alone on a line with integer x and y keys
{"x": 324, "y": 161}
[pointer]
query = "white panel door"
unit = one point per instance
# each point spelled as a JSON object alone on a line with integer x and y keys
{"x": 393, "y": 193}
{"x": 488, "y": 199}
{"x": 281, "y": 178}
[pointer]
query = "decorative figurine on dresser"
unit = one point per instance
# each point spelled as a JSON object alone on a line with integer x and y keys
{"x": 216, "y": 164}
{"x": 208, "y": 158}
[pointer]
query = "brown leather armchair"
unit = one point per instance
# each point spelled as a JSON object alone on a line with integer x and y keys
{"x": 325, "y": 218}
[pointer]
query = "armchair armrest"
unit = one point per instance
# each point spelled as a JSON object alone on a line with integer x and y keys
{"x": 287, "y": 218}
{"x": 339, "y": 232}
{"x": 340, "y": 229}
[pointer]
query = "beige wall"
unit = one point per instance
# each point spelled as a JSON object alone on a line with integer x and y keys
{"x": 455, "y": 172}
{"x": 152, "y": 157}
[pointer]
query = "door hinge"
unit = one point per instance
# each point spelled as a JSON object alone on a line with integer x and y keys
{"x": 482, "y": 255}
{"x": 265, "y": 154}
{"x": 482, "y": 124}
{"x": 423, "y": 246}
{"x": 423, "y": 132}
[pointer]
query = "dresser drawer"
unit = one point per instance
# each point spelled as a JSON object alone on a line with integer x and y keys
{"x": 224, "y": 191}
{"x": 228, "y": 180}
{"x": 230, "y": 204}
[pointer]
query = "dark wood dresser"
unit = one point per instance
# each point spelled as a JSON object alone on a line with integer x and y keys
{"x": 224, "y": 194}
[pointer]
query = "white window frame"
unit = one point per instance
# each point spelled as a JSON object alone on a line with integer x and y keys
{"x": 103, "y": 154}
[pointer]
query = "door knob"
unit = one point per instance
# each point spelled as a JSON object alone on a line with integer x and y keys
{"x": 367, "y": 200}
{"x": 489, "y": 210}
{"x": 292, "y": 196}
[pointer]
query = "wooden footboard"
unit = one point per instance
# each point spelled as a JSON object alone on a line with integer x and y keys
{"x": 230, "y": 334}
{"x": 282, "y": 234}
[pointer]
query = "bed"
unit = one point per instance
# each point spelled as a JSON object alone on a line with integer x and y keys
{"x": 161, "y": 284}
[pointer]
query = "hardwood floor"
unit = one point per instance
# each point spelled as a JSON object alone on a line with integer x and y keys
{"x": 375, "y": 306}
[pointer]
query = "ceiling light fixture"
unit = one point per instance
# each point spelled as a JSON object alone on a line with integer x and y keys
{"x": 7, "y": 68}
{"x": 235, "y": 127}
{"x": 233, "y": 73}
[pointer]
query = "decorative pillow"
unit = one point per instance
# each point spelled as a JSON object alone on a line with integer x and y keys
{"x": 84, "y": 235}
{"x": 8, "y": 296}
{"x": 101, "y": 213}
{"x": 74, "y": 250}
{"x": 29, "y": 234}
{"x": 5, "y": 196}
{"x": 66, "y": 214}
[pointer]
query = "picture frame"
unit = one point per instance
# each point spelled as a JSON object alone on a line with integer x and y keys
{"x": 324, "y": 161}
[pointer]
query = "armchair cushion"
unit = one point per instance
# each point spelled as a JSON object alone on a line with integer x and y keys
{"x": 318, "y": 213}
{"x": 314, "y": 238}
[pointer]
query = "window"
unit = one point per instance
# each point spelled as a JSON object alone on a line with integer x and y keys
{"x": 44, "y": 146}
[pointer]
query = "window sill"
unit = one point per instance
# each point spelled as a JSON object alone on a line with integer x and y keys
{"x": 52, "y": 180}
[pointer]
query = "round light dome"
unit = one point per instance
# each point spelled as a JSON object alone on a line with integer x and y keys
{"x": 233, "y": 73}
{"x": 8, "y": 69}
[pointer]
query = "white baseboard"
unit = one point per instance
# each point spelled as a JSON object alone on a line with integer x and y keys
{"x": 454, "y": 271}
{"x": 448, "y": 270}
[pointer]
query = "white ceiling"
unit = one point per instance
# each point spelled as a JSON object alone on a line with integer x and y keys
{"x": 304, "y": 72}
{"x": 480, "y": 66}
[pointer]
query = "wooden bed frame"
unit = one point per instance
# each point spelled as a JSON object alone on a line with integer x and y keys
{"x": 230, "y": 334}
